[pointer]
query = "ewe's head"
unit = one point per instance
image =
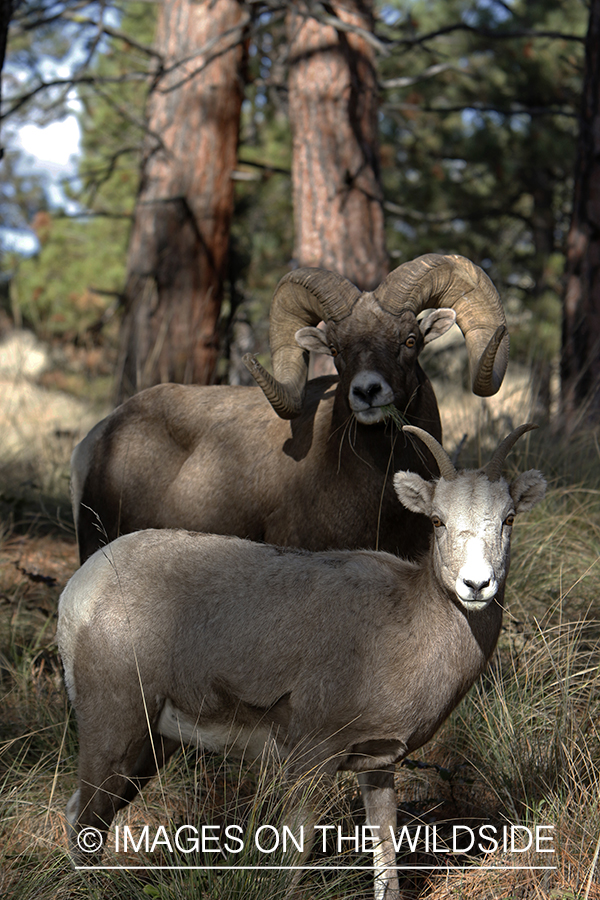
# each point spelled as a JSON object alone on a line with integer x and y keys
{"x": 375, "y": 337}
{"x": 472, "y": 513}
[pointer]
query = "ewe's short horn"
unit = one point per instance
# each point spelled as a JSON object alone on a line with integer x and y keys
{"x": 454, "y": 282}
{"x": 444, "y": 462}
{"x": 493, "y": 469}
{"x": 303, "y": 297}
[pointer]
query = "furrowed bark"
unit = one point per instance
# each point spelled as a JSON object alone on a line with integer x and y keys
{"x": 178, "y": 247}
{"x": 338, "y": 201}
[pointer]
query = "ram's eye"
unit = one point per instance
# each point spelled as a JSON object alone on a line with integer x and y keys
{"x": 510, "y": 520}
{"x": 436, "y": 522}
{"x": 333, "y": 350}
{"x": 410, "y": 342}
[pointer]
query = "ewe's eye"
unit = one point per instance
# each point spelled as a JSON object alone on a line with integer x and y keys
{"x": 510, "y": 520}
{"x": 410, "y": 342}
{"x": 436, "y": 522}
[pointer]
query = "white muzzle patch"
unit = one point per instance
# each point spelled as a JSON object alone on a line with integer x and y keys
{"x": 476, "y": 584}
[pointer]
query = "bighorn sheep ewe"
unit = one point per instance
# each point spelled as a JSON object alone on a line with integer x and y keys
{"x": 167, "y": 635}
{"x": 216, "y": 459}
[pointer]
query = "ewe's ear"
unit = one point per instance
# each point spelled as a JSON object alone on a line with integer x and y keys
{"x": 313, "y": 339}
{"x": 436, "y": 324}
{"x": 414, "y": 492}
{"x": 527, "y": 490}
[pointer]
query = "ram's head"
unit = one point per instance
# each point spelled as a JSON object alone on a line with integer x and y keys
{"x": 375, "y": 337}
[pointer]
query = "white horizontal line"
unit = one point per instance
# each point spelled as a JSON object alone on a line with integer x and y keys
{"x": 319, "y": 868}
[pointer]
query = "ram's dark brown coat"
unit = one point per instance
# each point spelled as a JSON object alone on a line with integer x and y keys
{"x": 318, "y": 474}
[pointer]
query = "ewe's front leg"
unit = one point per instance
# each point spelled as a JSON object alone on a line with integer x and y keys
{"x": 305, "y": 801}
{"x": 379, "y": 798}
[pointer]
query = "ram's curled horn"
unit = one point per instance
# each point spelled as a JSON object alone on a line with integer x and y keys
{"x": 303, "y": 297}
{"x": 444, "y": 462}
{"x": 493, "y": 469}
{"x": 454, "y": 282}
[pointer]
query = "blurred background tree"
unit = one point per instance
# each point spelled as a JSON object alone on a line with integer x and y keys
{"x": 6, "y": 11}
{"x": 484, "y": 151}
{"x": 178, "y": 248}
{"x": 333, "y": 110}
{"x": 580, "y": 361}
{"x": 478, "y": 125}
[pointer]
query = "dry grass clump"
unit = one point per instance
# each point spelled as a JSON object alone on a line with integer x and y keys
{"x": 530, "y": 733}
{"x": 526, "y": 740}
{"x": 523, "y": 747}
{"x": 38, "y": 764}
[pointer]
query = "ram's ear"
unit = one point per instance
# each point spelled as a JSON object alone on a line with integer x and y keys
{"x": 313, "y": 339}
{"x": 527, "y": 489}
{"x": 414, "y": 492}
{"x": 436, "y": 323}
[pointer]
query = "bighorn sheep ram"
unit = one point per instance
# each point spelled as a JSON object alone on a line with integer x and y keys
{"x": 216, "y": 459}
{"x": 167, "y": 635}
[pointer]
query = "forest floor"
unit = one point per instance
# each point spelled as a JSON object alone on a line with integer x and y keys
{"x": 522, "y": 750}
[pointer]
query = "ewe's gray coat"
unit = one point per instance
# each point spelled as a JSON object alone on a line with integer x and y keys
{"x": 349, "y": 659}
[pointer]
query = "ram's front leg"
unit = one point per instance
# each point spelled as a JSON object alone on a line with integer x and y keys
{"x": 379, "y": 798}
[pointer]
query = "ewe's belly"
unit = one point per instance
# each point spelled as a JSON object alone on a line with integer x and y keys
{"x": 236, "y": 740}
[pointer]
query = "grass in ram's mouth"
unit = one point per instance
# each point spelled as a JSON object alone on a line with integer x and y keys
{"x": 392, "y": 412}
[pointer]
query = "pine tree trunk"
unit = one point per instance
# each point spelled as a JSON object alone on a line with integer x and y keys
{"x": 580, "y": 362}
{"x": 178, "y": 247}
{"x": 7, "y": 8}
{"x": 338, "y": 202}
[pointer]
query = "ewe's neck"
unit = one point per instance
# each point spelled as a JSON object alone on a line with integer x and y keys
{"x": 477, "y": 630}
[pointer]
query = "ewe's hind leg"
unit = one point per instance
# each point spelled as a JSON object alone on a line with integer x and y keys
{"x": 110, "y": 776}
{"x": 379, "y": 798}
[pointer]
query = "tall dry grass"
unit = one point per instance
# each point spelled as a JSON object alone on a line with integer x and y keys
{"x": 523, "y": 747}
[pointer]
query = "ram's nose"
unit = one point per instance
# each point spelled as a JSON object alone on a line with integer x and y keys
{"x": 369, "y": 391}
